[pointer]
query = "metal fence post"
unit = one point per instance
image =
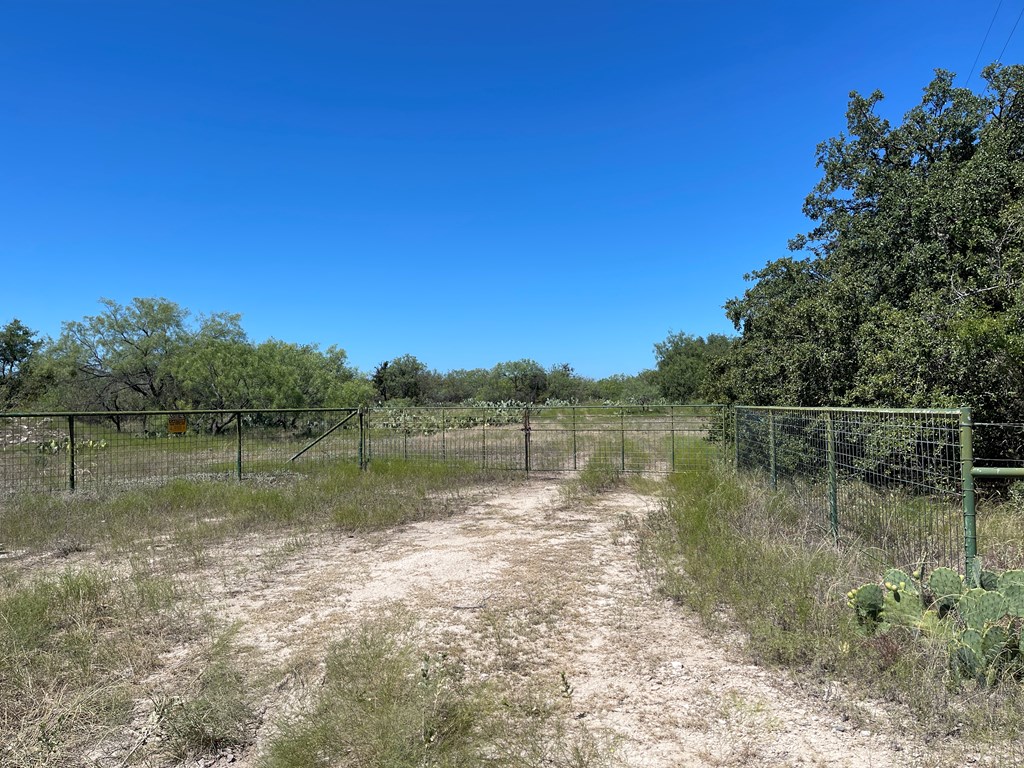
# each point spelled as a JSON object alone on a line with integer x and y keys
{"x": 362, "y": 439}
{"x": 526, "y": 439}
{"x": 672, "y": 433}
{"x": 575, "y": 464}
{"x": 771, "y": 451}
{"x": 735, "y": 437}
{"x": 967, "y": 487}
{"x": 238, "y": 435}
{"x": 833, "y": 479}
{"x": 71, "y": 453}
{"x": 622, "y": 433}
{"x": 444, "y": 445}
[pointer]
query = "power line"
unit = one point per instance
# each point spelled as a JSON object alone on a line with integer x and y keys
{"x": 1021, "y": 14}
{"x": 982, "y": 47}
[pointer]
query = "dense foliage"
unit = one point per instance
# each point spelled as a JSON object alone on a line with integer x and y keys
{"x": 910, "y": 292}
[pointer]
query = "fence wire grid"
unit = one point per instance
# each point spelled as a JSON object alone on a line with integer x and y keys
{"x": 61, "y": 451}
{"x": 885, "y": 480}
{"x": 655, "y": 439}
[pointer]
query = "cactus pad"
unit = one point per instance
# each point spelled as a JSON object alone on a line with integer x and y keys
{"x": 1008, "y": 578}
{"x": 979, "y": 607}
{"x": 968, "y": 652}
{"x": 946, "y": 586}
{"x": 899, "y": 581}
{"x": 1014, "y": 596}
{"x": 902, "y": 608}
{"x": 994, "y": 641}
{"x": 867, "y": 601}
{"x": 988, "y": 580}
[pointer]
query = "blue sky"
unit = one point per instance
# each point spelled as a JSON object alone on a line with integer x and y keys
{"x": 467, "y": 182}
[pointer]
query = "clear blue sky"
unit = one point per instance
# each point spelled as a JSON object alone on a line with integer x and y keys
{"x": 467, "y": 181}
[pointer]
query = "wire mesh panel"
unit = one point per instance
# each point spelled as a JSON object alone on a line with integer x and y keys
{"x": 665, "y": 438}
{"x": 53, "y": 452}
{"x": 491, "y": 437}
{"x": 550, "y": 438}
{"x": 283, "y": 441}
{"x": 882, "y": 479}
{"x": 34, "y": 453}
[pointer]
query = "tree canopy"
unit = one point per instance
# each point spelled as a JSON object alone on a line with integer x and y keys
{"x": 18, "y": 345}
{"x": 911, "y": 288}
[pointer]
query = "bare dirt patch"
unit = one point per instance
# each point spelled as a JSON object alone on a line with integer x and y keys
{"x": 523, "y": 589}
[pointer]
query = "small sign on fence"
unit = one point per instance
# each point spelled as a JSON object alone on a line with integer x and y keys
{"x": 176, "y": 424}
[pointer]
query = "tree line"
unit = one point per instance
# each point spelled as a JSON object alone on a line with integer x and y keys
{"x": 153, "y": 354}
{"x": 908, "y": 290}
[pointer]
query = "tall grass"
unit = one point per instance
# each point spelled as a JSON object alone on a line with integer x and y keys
{"x": 747, "y": 559}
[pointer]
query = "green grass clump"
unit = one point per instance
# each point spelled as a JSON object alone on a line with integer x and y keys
{"x": 597, "y": 476}
{"x": 214, "y": 712}
{"x": 383, "y": 703}
{"x": 65, "y": 643}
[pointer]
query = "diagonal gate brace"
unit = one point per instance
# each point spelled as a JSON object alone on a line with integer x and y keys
{"x": 324, "y": 435}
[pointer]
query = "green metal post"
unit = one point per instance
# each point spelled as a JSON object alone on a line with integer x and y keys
{"x": 575, "y": 465}
{"x": 71, "y": 453}
{"x": 967, "y": 483}
{"x": 672, "y": 432}
{"x": 771, "y": 450}
{"x": 444, "y": 447}
{"x": 362, "y": 440}
{"x": 238, "y": 453}
{"x": 622, "y": 433}
{"x": 833, "y": 479}
{"x": 526, "y": 439}
{"x": 483, "y": 447}
{"x": 735, "y": 437}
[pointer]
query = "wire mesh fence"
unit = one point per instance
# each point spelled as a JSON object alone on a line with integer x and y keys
{"x": 61, "y": 451}
{"x": 54, "y": 452}
{"x": 884, "y": 480}
{"x": 658, "y": 439}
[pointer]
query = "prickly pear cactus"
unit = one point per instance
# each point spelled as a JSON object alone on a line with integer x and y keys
{"x": 1010, "y": 578}
{"x": 946, "y": 586}
{"x": 1014, "y": 596}
{"x": 902, "y": 608}
{"x": 868, "y": 601}
{"x": 989, "y": 580}
{"x": 994, "y": 643}
{"x": 899, "y": 582}
{"x": 978, "y": 607}
{"x": 969, "y": 653}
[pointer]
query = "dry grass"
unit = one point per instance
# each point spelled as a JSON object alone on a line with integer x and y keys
{"x": 746, "y": 558}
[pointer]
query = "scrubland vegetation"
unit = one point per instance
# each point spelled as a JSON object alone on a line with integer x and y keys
{"x": 747, "y": 559}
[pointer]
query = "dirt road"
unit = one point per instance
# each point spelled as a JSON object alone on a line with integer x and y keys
{"x": 520, "y": 586}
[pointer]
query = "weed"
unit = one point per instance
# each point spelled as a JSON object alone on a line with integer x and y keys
{"x": 598, "y": 475}
{"x": 214, "y": 712}
{"x": 383, "y": 703}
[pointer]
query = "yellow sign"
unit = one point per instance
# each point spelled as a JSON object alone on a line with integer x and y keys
{"x": 176, "y": 424}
